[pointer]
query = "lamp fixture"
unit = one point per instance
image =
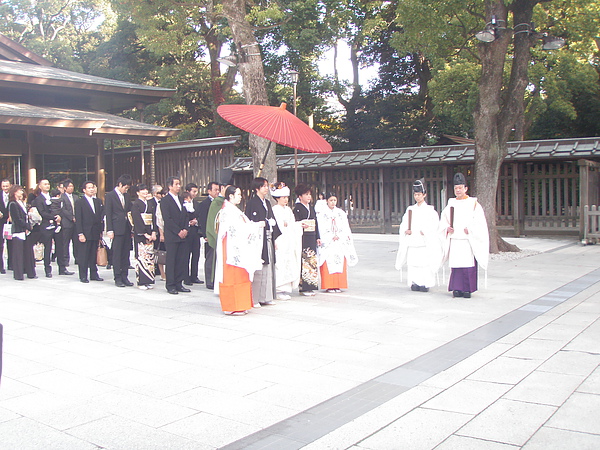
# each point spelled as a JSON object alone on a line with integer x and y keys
{"x": 492, "y": 29}
{"x": 294, "y": 74}
{"x": 229, "y": 61}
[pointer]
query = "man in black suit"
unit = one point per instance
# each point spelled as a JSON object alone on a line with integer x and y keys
{"x": 258, "y": 209}
{"x": 118, "y": 229}
{"x": 212, "y": 192}
{"x": 89, "y": 224}
{"x": 67, "y": 221}
{"x": 176, "y": 225}
{"x": 6, "y": 184}
{"x": 44, "y": 232}
{"x": 193, "y": 238}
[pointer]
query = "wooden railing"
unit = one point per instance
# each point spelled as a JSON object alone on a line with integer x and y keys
{"x": 591, "y": 227}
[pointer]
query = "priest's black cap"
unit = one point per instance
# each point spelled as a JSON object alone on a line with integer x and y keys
{"x": 459, "y": 178}
{"x": 419, "y": 186}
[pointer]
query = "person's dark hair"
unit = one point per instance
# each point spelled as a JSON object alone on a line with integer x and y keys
{"x": 13, "y": 190}
{"x": 61, "y": 183}
{"x": 211, "y": 184}
{"x": 67, "y": 182}
{"x": 257, "y": 183}
{"x": 230, "y": 191}
{"x": 190, "y": 186}
{"x": 141, "y": 187}
{"x": 186, "y": 195}
{"x": 330, "y": 194}
{"x": 125, "y": 180}
{"x": 171, "y": 180}
{"x": 5, "y": 179}
{"x": 85, "y": 183}
{"x": 164, "y": 191}
{"x": 302, "y": 189}
{"x": 54, "y": 192}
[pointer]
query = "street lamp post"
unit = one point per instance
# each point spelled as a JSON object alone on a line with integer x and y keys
{"x": 294, "y": 77}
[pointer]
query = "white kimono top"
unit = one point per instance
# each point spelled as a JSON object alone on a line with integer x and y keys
{"x": 332, "y": 223}
{"x": 462, "y": 249}
{"x": 424, "y": 226}
{"x": 244, "y": 242}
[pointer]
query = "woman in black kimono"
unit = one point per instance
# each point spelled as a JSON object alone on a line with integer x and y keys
{"x": 144, "y": 235}
{"x": 309, "y": 268}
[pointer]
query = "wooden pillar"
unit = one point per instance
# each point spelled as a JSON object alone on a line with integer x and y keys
{"x": 100, "y": 171}
{"x": 448, "y": 185}
{"x": 385, "y": 194}
{"x": 584, "y": 192}
{"x": 30, "y": 163}
{"x": 518, "y": 199}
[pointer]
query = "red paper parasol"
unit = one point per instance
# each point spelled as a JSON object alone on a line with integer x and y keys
{"x": 276, "y": 124}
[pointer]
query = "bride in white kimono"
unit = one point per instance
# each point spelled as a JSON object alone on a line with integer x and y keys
{"x": 288, "y": 246}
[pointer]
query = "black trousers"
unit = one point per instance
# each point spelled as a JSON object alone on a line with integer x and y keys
{"x": 63, "y": 239}
{"x": 121, "y": 247}
{"x": 209, "y": 273}
{"x": 22, "y": 259}
{"x": 193, "y": 241}
{"x": 87, "y": 259}
{"x": 176, "y": 264}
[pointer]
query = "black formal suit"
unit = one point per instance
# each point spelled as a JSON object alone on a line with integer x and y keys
{"x": 209, "y": 252}
{"x": 23, "y": 260}
{"x": 89, "y": 223}
{"x": 175, "y": 219}
{"x": 117, "y": 222}
{"x": 3, "y": 220}
{"x": 67, "y": 233}
{"x": 256, "y": 212}
{"x": 44, "y": 232}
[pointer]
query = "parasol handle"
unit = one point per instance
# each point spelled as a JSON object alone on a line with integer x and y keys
{"x": 262, "y": 163}
{"x": 452, "y": 216}
{"x": 409, "y": 219}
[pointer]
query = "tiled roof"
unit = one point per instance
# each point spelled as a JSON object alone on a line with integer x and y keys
{"x": 551, "y": 149}
{"x": 95, "y": 123}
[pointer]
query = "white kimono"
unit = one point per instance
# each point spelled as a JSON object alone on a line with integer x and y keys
{"x": 462, "y": 249}
{"x": 421, "y": 251}
{"x": 244, "y": 242}
{"x": 288, "y": 249}
{"x": 334, "y": 222}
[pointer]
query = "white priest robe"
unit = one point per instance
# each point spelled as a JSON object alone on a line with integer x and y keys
{"x": 288, "y": 249}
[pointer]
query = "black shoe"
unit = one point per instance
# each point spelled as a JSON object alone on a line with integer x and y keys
{"x": 126, "y": 282}
{"x": 423, "y": 289}
{"x": 97, "y": 279}
{"x": 183, "y": 289}
{"x": 208, "y": 286}
{"x": 48, "y": 275}
{"x": 197, "y": 281}
{"x": 84, "y": 280}
{"x": 466, "y": 294}
{"x": 414, "y": 287}
{"x": 2, "y": 271}
{"x": 119, "y": 283}
{"x": 109, "y": 266}
{"x": 188, "y": 283}
{"x": 32, "y": 278}
{"x": 172, "y": 291}
{"x": 65, "y": 272}
{"x": 457, "y": 293}
{"x": 131, "y": 267}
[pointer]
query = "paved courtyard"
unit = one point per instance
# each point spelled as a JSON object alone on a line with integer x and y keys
{"x": 90, "y": 366}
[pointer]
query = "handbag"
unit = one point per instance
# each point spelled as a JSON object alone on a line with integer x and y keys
{"x": 161, "y": 256}
{"x": 7, "y": 231}
{"x": 34, "y": 216}
{"x": 101, "y": 254}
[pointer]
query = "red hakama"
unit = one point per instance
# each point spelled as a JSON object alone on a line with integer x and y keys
{"x": 334, "y": 280}
{"x": 235, "y": 292}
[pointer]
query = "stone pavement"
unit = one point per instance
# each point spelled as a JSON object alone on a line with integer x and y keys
{"x": 376, "y": 367}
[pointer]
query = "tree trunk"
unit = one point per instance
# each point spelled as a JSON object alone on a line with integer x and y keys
{"x": 498, "y": 109}
{"x": 253, "y": 79}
